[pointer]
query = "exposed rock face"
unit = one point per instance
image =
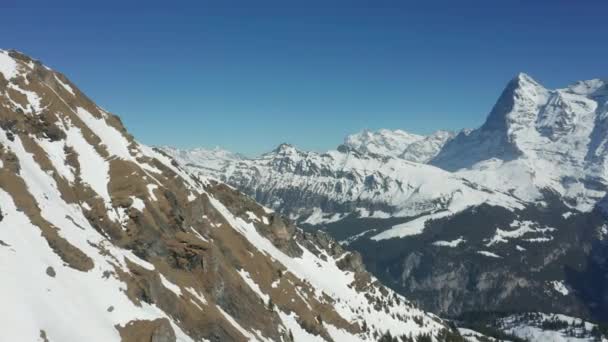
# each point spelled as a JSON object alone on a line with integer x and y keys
{"x": 159, "y": 330}
{"x": 137, "y": 249}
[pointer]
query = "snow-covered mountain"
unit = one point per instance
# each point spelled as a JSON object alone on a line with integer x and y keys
{"x": 383, "y": 142}
{"x": 320, "y": 188}
{"x": 503, "y": 217}
{"x": 105, "y": 239}
{"x": 425, "y": 149}
{"x": 209, "y": 162}
{"x": 398, "y": 144}
{"x": 536, "y": 139}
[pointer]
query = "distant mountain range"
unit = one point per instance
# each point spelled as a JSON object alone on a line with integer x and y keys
{"x": 506, "y": 217}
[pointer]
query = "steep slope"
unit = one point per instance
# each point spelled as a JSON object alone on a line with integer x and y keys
{"x": 103, "y": 238}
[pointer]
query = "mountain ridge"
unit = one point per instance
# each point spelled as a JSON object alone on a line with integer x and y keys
{"x": 104, "y": 238}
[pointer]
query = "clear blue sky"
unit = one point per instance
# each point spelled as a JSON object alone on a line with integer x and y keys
{"x": 248, "y": 75}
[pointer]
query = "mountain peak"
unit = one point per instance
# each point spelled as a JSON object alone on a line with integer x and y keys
{"x": 284, "y": 146}
{"x": 523, "y": 92}
{"x": 523, "y": 78}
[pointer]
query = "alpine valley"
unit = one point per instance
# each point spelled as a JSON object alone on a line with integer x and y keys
{"x": 494, "y": 224}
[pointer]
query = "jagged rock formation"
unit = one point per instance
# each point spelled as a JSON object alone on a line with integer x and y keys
{"x": 104, "y": 238}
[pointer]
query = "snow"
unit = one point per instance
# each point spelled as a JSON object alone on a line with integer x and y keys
{"x": 299, "y": 334}
{"x": 452, "y": 244}
{"x": 603, "y": 232}
{"x": 560, "y": 286}
{"x": 54, "y": 304}
{"x": 253, "y": 286}
{"x": 252, "y": 216}
{"x": 151, "y": 188}
{"x": 383, "y": 142}
{"x": 64, "y": 85}
{"x": 138, "y": 261}
{"x": 250, "y": 336}
{"x": 413, "y": 227}
{"x": 33, "y": 100}
{"x": 138, "y": 203}
{"x": 56, "y": 154}
{"x": 8, "y": 66}
{"x": 170, "y": 286}
{"x": 94, "y": 170}
{"x": 319, "y": 217}
{"x": 522, "y": 228}
{"x": 209, "y": 160}
{"x": 356, "y": 237}
{"x": 168, "y": 163}
{"x": 474, "y": 336}
{"x": 424, "y": 150}
{"x": 408, "y": 189}
{"x": 114, "y": 141}
{"x": 197, "y": 295}
{"x": 489, "y": 254}
{"x": 363, "y": 212}
{"x": 198, "y": 234}
{"x": 532, "y": 332}
{"x": 554, "y": 134}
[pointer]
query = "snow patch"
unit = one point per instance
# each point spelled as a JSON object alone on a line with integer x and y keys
{"x": 489, "y": 254}
{"x": 8, "y": 66}
{"x": 452, "y": 244}
{"x": 560, "y": 286}
{"x": 65, "y": 85}
{"x": 170, "y": 286}
{"x": 138, "y": 203}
